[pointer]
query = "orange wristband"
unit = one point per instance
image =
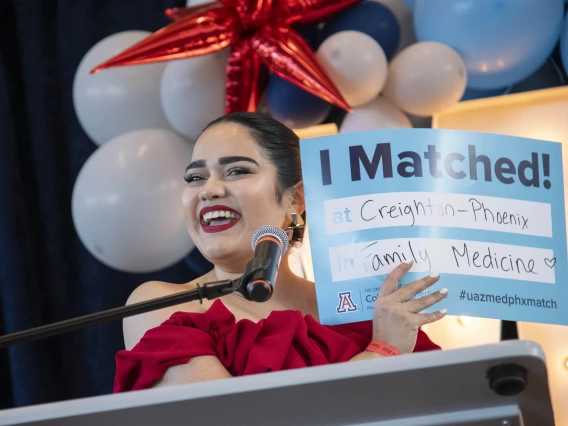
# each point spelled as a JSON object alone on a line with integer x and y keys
{"x": 383, "y": 348}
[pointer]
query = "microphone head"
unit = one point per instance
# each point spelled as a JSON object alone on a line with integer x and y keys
{"x": 273, "y": 231}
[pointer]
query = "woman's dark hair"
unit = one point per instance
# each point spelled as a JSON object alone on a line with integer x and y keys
{"x": 281, "y": 147}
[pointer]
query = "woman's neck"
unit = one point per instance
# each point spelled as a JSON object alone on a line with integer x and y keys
{"x": 289, "y": 288}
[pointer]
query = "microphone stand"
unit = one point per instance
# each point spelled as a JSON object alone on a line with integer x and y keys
{"x": 209, "y": 291}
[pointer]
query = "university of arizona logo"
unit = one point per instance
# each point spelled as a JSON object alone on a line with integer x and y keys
{"x": 346, "y": 303}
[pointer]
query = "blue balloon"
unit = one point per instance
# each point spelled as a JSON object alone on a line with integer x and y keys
{"x": 369, "y": 17}
{"x": 549, "y": 75}
{"x": 310, "y": 33}
{"x": 501, "y": 41}
{"x": 564, "y": 44}
{"x": 293, "y": 106}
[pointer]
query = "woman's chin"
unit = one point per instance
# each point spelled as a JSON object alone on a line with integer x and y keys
{"x": 226, "y": 255}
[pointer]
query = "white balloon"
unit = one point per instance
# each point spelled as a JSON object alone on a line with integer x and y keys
{"x": 405, "y": 16}
{"x": 193, "y": 92}
{"x": 117, "y": 100}
{"x": 377, "y": 114}
{"x": 426, "y": 78}
{"x": 356, "y": 63}
{"x": 126, "y": 201}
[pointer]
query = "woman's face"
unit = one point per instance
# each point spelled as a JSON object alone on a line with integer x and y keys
{"x": 231, "y": 192}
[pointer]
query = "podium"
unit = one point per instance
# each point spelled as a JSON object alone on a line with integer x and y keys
{"x": 423, "y": 389}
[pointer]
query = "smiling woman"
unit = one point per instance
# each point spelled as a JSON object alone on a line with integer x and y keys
{"x": 245, "y": 172}
{"x": 247, "y": 165}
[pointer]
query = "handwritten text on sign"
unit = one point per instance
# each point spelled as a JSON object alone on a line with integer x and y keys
{"x": 367, "y": 259}
{"x": 435, "y": 209}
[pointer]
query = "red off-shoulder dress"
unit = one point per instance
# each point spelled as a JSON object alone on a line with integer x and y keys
{"x": 283, "y": 341}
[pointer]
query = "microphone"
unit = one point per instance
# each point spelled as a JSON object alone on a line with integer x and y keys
{"x": 269, "y": 243}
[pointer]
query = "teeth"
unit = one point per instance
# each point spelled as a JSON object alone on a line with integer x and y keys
{"x": 208, "y": 217}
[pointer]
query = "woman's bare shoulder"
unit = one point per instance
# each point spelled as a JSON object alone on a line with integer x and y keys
{"x": 135, "y": 327}
{"x": 154, "y": 289}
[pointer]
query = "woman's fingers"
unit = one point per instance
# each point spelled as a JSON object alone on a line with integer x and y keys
{"x": 417, "y": 305}
{"x": 431, "y": 317}
{"x": 410, "y": 290}
{"x": 390, "y": 284}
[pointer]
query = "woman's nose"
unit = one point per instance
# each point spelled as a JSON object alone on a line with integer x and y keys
{"x": 214, "y": 188}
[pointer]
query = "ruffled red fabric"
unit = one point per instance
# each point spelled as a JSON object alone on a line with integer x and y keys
{"x": 283, "y": 341}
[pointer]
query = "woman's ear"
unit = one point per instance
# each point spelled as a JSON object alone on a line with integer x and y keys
{"x": 298, "y": 204}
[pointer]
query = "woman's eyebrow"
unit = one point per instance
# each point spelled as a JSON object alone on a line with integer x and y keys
{"x": 196, "y": 164}
{"x": 223, "y": 161}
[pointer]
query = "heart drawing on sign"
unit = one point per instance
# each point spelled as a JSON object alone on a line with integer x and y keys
{"x": 550, "y": 262}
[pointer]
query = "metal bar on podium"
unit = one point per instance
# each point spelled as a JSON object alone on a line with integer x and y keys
{"x": 495, "y": 385}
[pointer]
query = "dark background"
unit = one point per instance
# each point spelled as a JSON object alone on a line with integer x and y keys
{"x": 46, "y": 275}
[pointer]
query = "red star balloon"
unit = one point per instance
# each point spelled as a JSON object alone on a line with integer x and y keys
{"x": 260, "y": 37}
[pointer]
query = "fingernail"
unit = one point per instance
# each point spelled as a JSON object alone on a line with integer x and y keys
{"x": 434, "y": 275}
{"x": 408, "y": 261}
{"x": 444, "y": 290}
{"x": 443, "y": 311}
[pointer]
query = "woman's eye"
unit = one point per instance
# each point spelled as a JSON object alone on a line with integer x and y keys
{"x": 238, "y": 171}
{"x": 192, "y": 178}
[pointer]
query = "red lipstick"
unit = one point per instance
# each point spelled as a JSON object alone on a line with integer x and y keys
{"x": 208, "y": 229}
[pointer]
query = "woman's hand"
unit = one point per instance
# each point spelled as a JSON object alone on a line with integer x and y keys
{"x": 397, "y": 318}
